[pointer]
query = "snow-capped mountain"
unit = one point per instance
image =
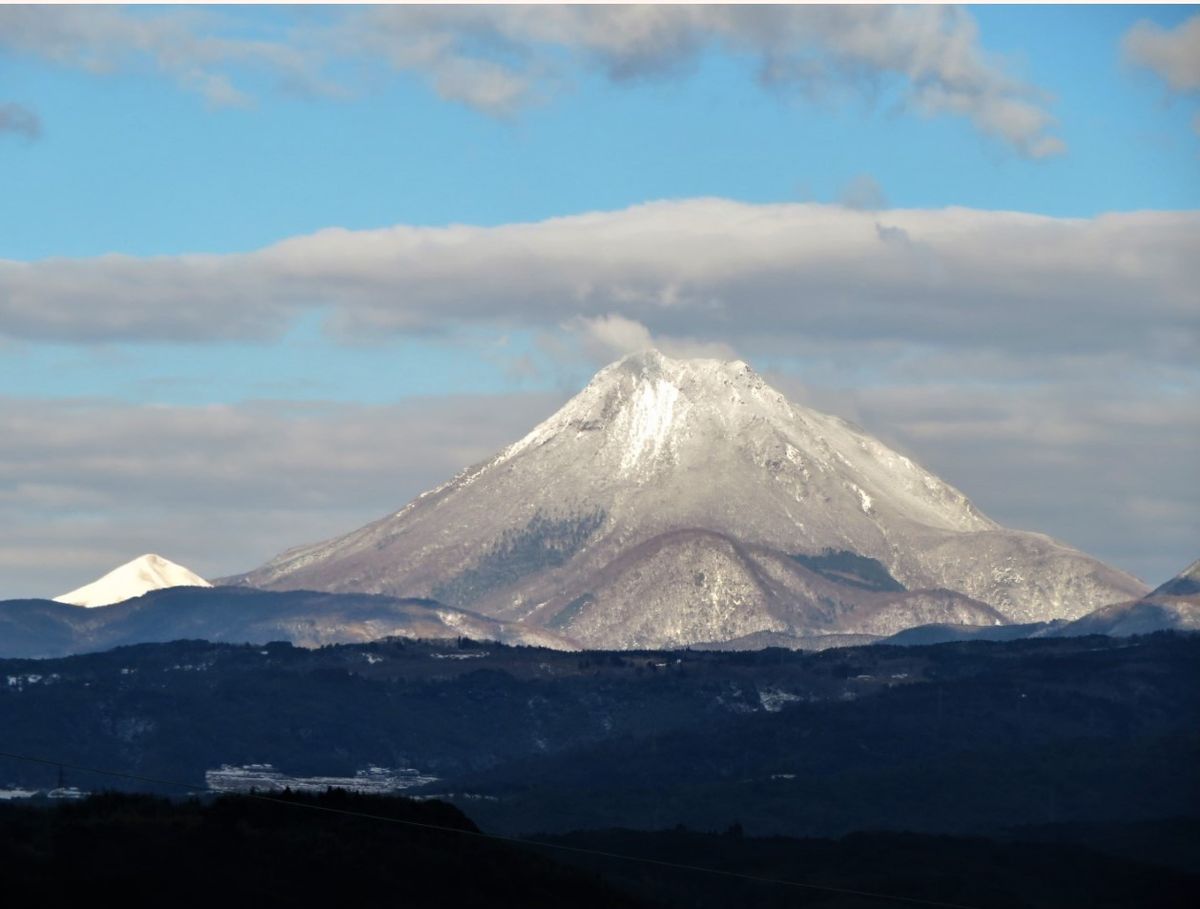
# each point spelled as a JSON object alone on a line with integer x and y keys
{"x": 677, "y": 501}
{"x": 134, "y": 578}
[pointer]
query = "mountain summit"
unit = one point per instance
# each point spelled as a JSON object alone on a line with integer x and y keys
{"x": 134, "y": 578}
{"x": 678, "y": 501}
{"x": 1186, "y": 583}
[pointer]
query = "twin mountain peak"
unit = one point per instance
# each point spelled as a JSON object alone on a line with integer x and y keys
{"x": 681, "y": 501}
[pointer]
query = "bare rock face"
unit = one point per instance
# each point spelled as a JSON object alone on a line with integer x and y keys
{"x": 681, "y": 501}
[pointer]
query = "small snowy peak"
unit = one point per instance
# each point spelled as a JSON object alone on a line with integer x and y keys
{"x": 134, "y": 578}
{"x": 1186, "y": 583}
{"x": 1191, "y": 573}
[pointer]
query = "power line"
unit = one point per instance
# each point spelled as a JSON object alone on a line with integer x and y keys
{"x": 478, "y": 834}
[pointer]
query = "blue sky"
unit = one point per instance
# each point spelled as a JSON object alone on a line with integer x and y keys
{"x": 132, "y": 164}
{"x": 160, "y": 132}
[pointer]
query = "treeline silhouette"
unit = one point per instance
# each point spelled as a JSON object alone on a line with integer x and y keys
{"x": 132, "y": 850}
{"x": 344, "y": 849}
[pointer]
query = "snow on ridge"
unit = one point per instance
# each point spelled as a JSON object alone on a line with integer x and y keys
{"x": 649, "y": 408}
{"x": 134, "y": 578}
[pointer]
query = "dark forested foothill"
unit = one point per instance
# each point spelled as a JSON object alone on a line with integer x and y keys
{"x": 900, "y": 869}
{"x": 342, "y": 849}
{"x": 969, "y": 738}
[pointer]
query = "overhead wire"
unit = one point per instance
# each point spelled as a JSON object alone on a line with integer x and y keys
{"x": 479, "y": 834}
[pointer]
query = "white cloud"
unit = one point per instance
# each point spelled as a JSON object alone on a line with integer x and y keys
{"x": 1172, "y": 54}
{"x": 1046, "y": 147}
{"x": 819, "y": 51}
{"x": 197, "y": 50}
{"x": 612, "y": 336}
{"x": 499, "y": 59}
{"x": 609, "y": 337}
{"x": 706, "y": 269}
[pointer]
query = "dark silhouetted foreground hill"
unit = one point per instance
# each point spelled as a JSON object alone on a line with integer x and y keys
{"x": 956, "y": 871}
{"x": 139, "y": 851}
{"x": 135, "y": 850}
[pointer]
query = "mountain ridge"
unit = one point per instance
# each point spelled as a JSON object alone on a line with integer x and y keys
{"x": 47, "y": 628}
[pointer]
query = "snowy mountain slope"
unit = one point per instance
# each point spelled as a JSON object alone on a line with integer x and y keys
{"x": 134, "y": 578}
{"x": 1173, "y": 606}
{"x": 586, "y": 504}
{"x": 1144, "y": 616}
{"x": 687, "y": 586}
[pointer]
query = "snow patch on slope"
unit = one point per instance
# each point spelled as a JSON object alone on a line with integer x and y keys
{"x": 646, "y": 423}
